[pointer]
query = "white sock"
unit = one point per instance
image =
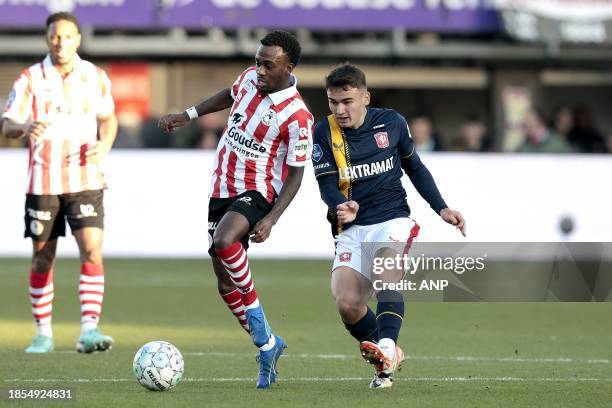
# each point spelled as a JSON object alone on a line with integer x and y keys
{"x": 387, "y": 345}
{"x": 269, "y": 345}
{"x": 44, "y": 330}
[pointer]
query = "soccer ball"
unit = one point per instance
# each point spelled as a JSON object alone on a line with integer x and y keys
{"x": 158, "y": 366}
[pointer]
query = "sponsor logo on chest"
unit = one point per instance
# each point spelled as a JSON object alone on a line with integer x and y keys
{"x": 366, "y": 169}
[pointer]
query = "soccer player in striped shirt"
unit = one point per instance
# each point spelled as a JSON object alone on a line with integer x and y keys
{"x": 63, "y": 106}
{"x": 258, "y": 170}
{"x": 359, "y": 157}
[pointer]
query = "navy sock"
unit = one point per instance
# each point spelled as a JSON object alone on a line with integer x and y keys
{"x": 389, "y": 314}
{"x": 365, "y": 329}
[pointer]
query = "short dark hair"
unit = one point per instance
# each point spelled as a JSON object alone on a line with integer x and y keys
{"x": 287, "y": 42}
{"x": 63, "y": 15}
{"x": 346, "y": 76}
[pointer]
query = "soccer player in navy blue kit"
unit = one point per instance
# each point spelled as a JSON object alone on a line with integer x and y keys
{"x": 358, "y": 155}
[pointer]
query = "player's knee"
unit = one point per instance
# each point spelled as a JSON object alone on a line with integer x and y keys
{"x": 42, "y": 261}
{"x": 349, "y": 307}
{"x": 222, "y": 241}
{"x": 225, "y": 285}
{"x": 92, "y": 255}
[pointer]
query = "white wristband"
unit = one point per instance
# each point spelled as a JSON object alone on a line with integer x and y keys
{"x": 192, "y": 113}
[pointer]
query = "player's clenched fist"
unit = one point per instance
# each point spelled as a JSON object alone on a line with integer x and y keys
{"x": 36, "y": 129}
{"x": 347, "y": 211}
{"x": 172, "y": 121}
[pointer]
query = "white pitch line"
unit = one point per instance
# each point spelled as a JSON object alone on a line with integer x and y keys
{"x": 443, "y": 358}
{"x": 318, "y": 379}
{"x": 440, "y": 358}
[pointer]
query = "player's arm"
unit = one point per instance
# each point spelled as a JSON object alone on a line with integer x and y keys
{"x": 424, "y": 183}
{"x": 17, "y": 114}
{"x": 292, "y": 184}
{"x": 299, "y": 151}
{"x": 219, "y": 101}
{"x": 107, "y": 133}
{"x": 15, "y": 130}
{"x": 326, "y": 173}
{"x": 107, "y": 121}
{"x": 346, "y": 210}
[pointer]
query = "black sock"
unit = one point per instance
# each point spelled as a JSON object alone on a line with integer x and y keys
{"x": 389, "y": 314}
{"x": 365, "y": 329}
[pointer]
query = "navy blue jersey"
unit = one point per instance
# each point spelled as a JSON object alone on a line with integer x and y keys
{"x": 365, "y": 165}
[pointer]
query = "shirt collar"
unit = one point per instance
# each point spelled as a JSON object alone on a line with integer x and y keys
{"x": 279, "y": 97}
{"x": 48, "y": 64}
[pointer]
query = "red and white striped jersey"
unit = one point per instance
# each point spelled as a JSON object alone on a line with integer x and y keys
{"x": 71, "y": 105}
{"x": 265, "y": 133}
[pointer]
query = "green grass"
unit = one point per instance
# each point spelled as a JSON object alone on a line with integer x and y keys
{"x": 460, "y": 354}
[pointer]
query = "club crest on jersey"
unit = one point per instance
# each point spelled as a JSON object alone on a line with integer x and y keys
{"x": 268, "y": 117}
{"x": 345, "y": 257}
{"x": 382, "y": 139}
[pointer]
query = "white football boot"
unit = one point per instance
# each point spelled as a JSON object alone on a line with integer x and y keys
{"x": 385, "y": 361}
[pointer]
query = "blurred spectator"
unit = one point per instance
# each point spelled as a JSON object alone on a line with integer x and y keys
{"x": 584, "y": 136}
{"x": 540, "y": 139}
{"x": 153, "y": 137}
{"x": 128, "y": 133}
{"x": 563, "y": 122}
{"x": 202, "y": 133}
{"x": 423, "y": 134}
{"x": 212, "y": 130}
{"x": 127, "y": 137}
{"x": 473, "y": 136}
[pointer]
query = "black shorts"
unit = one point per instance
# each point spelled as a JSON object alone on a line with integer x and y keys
{"x": 251, "y": 204}
{"x": 46, "y": 215}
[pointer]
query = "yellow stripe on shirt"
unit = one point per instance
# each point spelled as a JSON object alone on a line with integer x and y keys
{"x": 341, "y": 157}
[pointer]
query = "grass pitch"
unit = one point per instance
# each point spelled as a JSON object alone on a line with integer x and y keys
{"x": 459, "y": 354}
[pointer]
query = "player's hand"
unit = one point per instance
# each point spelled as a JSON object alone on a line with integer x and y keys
{"x": 172, "y": 121}
{"x": 96, "y": 152}
{"x": 262, "y": 229}
{"x": 454, "y": 218}
{"x": 36, "y": 129}
{"x": 347, "y": 211}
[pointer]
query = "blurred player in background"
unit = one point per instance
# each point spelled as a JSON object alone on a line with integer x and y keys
{"x": 358, "y": 157}
{"x": 258, "y": 170}
{"x": 64, "y": 107}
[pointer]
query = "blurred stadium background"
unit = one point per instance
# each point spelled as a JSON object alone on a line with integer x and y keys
{"x": 464, "y": 72}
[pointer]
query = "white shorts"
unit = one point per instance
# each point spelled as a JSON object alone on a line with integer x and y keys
{"x": 399, "y": 232}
